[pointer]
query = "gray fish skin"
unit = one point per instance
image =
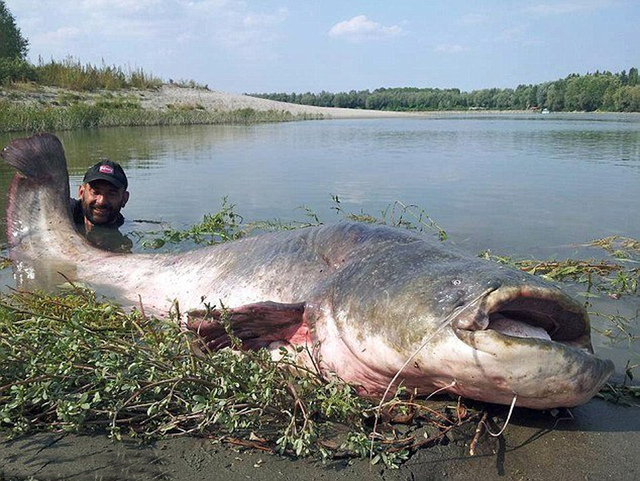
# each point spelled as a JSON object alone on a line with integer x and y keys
{"x": 362, "y": 299}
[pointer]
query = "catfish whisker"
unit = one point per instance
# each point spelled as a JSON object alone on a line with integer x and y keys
{"x": 506, "y": 423}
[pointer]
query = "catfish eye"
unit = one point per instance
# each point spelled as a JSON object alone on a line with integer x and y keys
{"x": 456, "y": 282}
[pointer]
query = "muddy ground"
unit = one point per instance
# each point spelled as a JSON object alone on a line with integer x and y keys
{"x": 602, "y": 441}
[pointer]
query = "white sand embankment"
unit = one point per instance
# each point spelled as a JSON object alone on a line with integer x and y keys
{"x": 224, "y": 101}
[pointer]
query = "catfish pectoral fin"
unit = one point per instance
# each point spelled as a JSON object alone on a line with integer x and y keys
{"x": 256, "y": 325}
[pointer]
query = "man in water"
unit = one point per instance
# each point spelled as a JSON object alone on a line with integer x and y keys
{"x": 96, "y": 212}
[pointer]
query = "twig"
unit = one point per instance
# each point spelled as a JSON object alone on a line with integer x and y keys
{"x": 478, "y": 433}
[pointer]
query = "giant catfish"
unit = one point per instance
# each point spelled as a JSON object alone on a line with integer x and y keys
{"x": 361, "y": 299}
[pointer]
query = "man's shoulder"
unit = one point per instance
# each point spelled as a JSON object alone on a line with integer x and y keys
{"x": 119, "y": 221}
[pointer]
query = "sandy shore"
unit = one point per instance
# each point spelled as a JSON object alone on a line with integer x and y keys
{"x": 174, "y": 96}
{"x": 600, "y": 442}
{"x": 171, "y": 95}
{"x": 215, "y": 100}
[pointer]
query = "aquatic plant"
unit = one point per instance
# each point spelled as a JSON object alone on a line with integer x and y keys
{"x": 396, "y": 214}
{"x": 614, "y": 277}
{"x": 623, "y": 393}
{"x": 224, "y": 225}
{"x": 71, "y": 362}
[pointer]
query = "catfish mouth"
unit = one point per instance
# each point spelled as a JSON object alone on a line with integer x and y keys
{"x": 527, "y": 312}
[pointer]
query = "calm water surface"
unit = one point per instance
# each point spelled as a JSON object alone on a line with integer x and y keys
{"x": 521, "y": 185}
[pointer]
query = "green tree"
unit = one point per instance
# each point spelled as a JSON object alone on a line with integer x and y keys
{"x": 594, "y": 91}
{"x": 12, "y": 44}
{"x": 627, "y": 99}
{"x": 504, "y": 99}
{"x": 555, "y": 96}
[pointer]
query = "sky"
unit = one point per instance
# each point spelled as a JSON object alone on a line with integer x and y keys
{"x": 338, "y": 45}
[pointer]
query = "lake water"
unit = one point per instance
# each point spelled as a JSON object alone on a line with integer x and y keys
{"x": 534, "y": 186}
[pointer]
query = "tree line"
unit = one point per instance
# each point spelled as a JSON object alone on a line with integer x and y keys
{"x": 602, "y": 91}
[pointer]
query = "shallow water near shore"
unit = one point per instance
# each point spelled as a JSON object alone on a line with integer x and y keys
{"x": 514, "y": 183}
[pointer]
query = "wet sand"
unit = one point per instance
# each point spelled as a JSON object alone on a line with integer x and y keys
{"x": 601, "y": 442}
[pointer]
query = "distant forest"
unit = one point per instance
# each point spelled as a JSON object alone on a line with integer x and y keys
{"x": 599, "y": 91}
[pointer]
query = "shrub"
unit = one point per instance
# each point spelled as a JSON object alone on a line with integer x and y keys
{"x": 16, "y": 70}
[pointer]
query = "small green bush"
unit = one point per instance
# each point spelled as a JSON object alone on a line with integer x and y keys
{"x": 71, "y": 74}
{"x": 16, "y": 70}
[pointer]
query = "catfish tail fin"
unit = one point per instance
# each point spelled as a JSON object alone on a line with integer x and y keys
{"x": 38, "y": 207}
{"x": 40, "y": 158}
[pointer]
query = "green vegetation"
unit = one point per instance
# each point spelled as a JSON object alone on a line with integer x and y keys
{"x": 12, "y": 44}
{"x": 4, "y": 261}
{"x": 122, "y": 111}
{"x": 222, "y": 226}
{"x": 92, "y": 96}
{"x": 71, "y": 74}
{"x": 226, "y": 225}
{"x": 14, "y": 69}
{"x": 73, "y": 363}
{"x": 396, "y": 214}
{"x": 89, "y": 96}
{"x": 13, "y": 49}
{"x": 603, "y": 91}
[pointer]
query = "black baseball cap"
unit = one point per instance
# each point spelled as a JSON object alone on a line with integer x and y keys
{"x": 107, "y": 170}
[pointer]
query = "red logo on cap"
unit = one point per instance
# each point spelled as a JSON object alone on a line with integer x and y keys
{"x": 106, "y": 169}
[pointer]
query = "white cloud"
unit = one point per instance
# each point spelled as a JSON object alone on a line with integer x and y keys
{"x": 265, "y": 19}
{"x": 360, "y": 28}
{"x": 162, "y": 35}
{"x": 449, "y": 48}
{"x": 124, "y": 6}
{"x": 474, "y": 19}
{"x": 222, "y": 23}
{"x": 564, "y": 8}
{"x": 60, "y": 35}
{"x": 512, "y": 33}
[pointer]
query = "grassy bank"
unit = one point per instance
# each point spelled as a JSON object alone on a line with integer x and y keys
{"x": 69, "y": 95}
{"x": 18, "y": 117}
{"x": 71, "y": 363}
{"x": 73, "y": 75}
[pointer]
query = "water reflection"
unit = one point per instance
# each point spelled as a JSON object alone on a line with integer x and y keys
{"x": 509, "y": 182}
